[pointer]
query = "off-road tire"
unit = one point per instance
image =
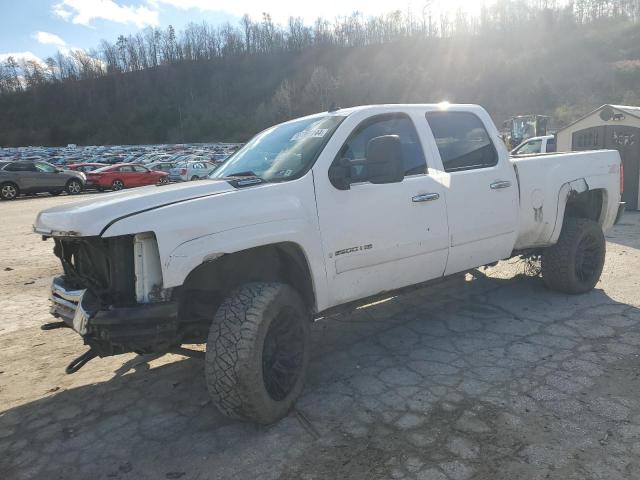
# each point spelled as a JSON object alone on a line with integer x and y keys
{"x": 73, "y": 187}
{"x": 581, "y": 244}
{"x": 238, "y": 347}
{"x": 9, "y": 191}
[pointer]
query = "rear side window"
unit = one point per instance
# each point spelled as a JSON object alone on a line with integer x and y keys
{"x": 462, "y": 140}
{"x": 21, "y": 167}
{"x": 551, "y": 145}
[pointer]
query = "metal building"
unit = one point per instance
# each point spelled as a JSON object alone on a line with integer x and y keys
{"x": 609, "y": 127}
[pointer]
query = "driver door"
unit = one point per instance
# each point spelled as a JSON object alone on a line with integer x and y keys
{"x": 49, "y": 176}
{"x": 379, "y": 237}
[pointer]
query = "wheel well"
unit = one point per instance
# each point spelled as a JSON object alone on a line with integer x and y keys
{"x": 208, "y": 284}
{"x": 586, "y": 204}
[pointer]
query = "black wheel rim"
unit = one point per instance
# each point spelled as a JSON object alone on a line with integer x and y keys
{"x": 587, "y": 258}
{"x": 117, "y": 185}
{"x": 283, "y": 354}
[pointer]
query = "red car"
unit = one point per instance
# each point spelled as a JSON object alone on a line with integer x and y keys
{"x": 124, "y": 175}
{"x": 85, "y": 167}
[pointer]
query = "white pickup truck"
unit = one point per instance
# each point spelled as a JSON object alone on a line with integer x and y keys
{"x": 313, "y": 214}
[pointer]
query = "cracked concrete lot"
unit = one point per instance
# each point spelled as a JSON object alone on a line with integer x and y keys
{"x": 485, "y": 377}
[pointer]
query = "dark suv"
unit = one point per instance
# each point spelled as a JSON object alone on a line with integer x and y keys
{"x": 35, "y": 177}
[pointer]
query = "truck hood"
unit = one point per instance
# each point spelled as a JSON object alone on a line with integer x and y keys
{"x": 91, "y": 217}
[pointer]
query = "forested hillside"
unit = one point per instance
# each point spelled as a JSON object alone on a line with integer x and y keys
{"x": 224, "y": 83}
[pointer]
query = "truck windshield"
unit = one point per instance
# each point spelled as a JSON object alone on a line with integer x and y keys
{"x": 281, "y": 153}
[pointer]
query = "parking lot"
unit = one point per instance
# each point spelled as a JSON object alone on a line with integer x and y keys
{"x": 488, "y": 376}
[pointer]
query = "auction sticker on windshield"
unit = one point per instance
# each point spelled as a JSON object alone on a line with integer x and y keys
{"x": 313, "y": 133}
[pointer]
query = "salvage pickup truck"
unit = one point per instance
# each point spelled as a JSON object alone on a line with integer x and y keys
{"x": 314, "y": 214}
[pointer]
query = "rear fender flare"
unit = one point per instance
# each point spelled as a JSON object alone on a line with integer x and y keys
{"x": 582, "y": 185}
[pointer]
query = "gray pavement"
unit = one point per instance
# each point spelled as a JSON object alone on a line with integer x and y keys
{"x": 485, "y": 377}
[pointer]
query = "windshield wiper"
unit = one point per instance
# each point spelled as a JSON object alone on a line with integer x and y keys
{"x": 246, "y": 173}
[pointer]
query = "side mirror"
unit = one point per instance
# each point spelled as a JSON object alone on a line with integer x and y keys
{"x": 384, "y": 160}
{"x": 340, "y": 174}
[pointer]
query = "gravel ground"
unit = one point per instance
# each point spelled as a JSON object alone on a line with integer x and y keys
{"x": 485, "y": 377}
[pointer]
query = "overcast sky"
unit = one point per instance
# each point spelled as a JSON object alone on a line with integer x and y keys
{"x": 39, "y": 28}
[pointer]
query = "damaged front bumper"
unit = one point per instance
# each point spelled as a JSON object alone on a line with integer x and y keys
{"x": 110, "y": 330}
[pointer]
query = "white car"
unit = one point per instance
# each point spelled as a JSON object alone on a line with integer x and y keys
{"x": 536, "y": 145}
{"x": 191, "y": 170}
{"x": 312, "y": 215}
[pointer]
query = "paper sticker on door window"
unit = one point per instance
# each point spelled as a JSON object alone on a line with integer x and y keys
{"x": 313, "y": 133}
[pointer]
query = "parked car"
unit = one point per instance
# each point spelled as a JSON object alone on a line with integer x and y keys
{"x": 191, "y": 170}
{"x": 161, "y": 166}
{"x": 85, "y": 167}
{"x": 314, "y": 215}
{"x": 536, "y": 145}
{"x": 129, "y": 175}
{"x": 23, "y": 177}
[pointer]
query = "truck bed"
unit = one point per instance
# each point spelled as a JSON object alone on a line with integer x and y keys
{"x": 547, "y": 181}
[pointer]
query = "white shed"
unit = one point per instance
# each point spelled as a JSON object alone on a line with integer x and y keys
{"x": 614, "y": 127}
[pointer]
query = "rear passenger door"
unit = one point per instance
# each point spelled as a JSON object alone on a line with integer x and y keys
{"x": 481, "y": 193}
{"x": 127, "y": 175}
{"x": 24, "y": 174}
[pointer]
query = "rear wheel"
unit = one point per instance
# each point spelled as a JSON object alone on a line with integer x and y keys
{"x": 258, "y": 352}
{"x": 195, "y": 177}
{"x": 74, "y": 187}
{"x": 163, "y": 180}
{"x": 117, "y": 185}
{"x": 9, "y": 191}
{"x": 574, "y": 264}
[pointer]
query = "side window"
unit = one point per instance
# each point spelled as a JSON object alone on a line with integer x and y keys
{"x": 45, "y": 167}
{"x": 532, "y": 146}
{"x": 462, "y": 140}
{"x": 551, "y": 145}
{"x": 139, "y": 169}
{"x": 21, "y": 167}
{"x": 394, "y": 124}
{"x": 127, "y": 169}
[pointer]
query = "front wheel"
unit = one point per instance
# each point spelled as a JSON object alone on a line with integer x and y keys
{"x": 163, "y": 180}
{"x": 117, "y": 185}
{"x": 195, "y": 177}
{"x": 258, "y": 352}
{"x": 74, "y": 187}
{"x": 574, "y": 264}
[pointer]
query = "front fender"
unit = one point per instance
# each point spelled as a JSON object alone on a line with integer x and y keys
{"x": 188, "y": 256}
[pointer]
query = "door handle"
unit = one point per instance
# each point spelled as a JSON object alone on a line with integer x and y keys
{"x": 500, "y": 184}
{"x": 425, "y": 197}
